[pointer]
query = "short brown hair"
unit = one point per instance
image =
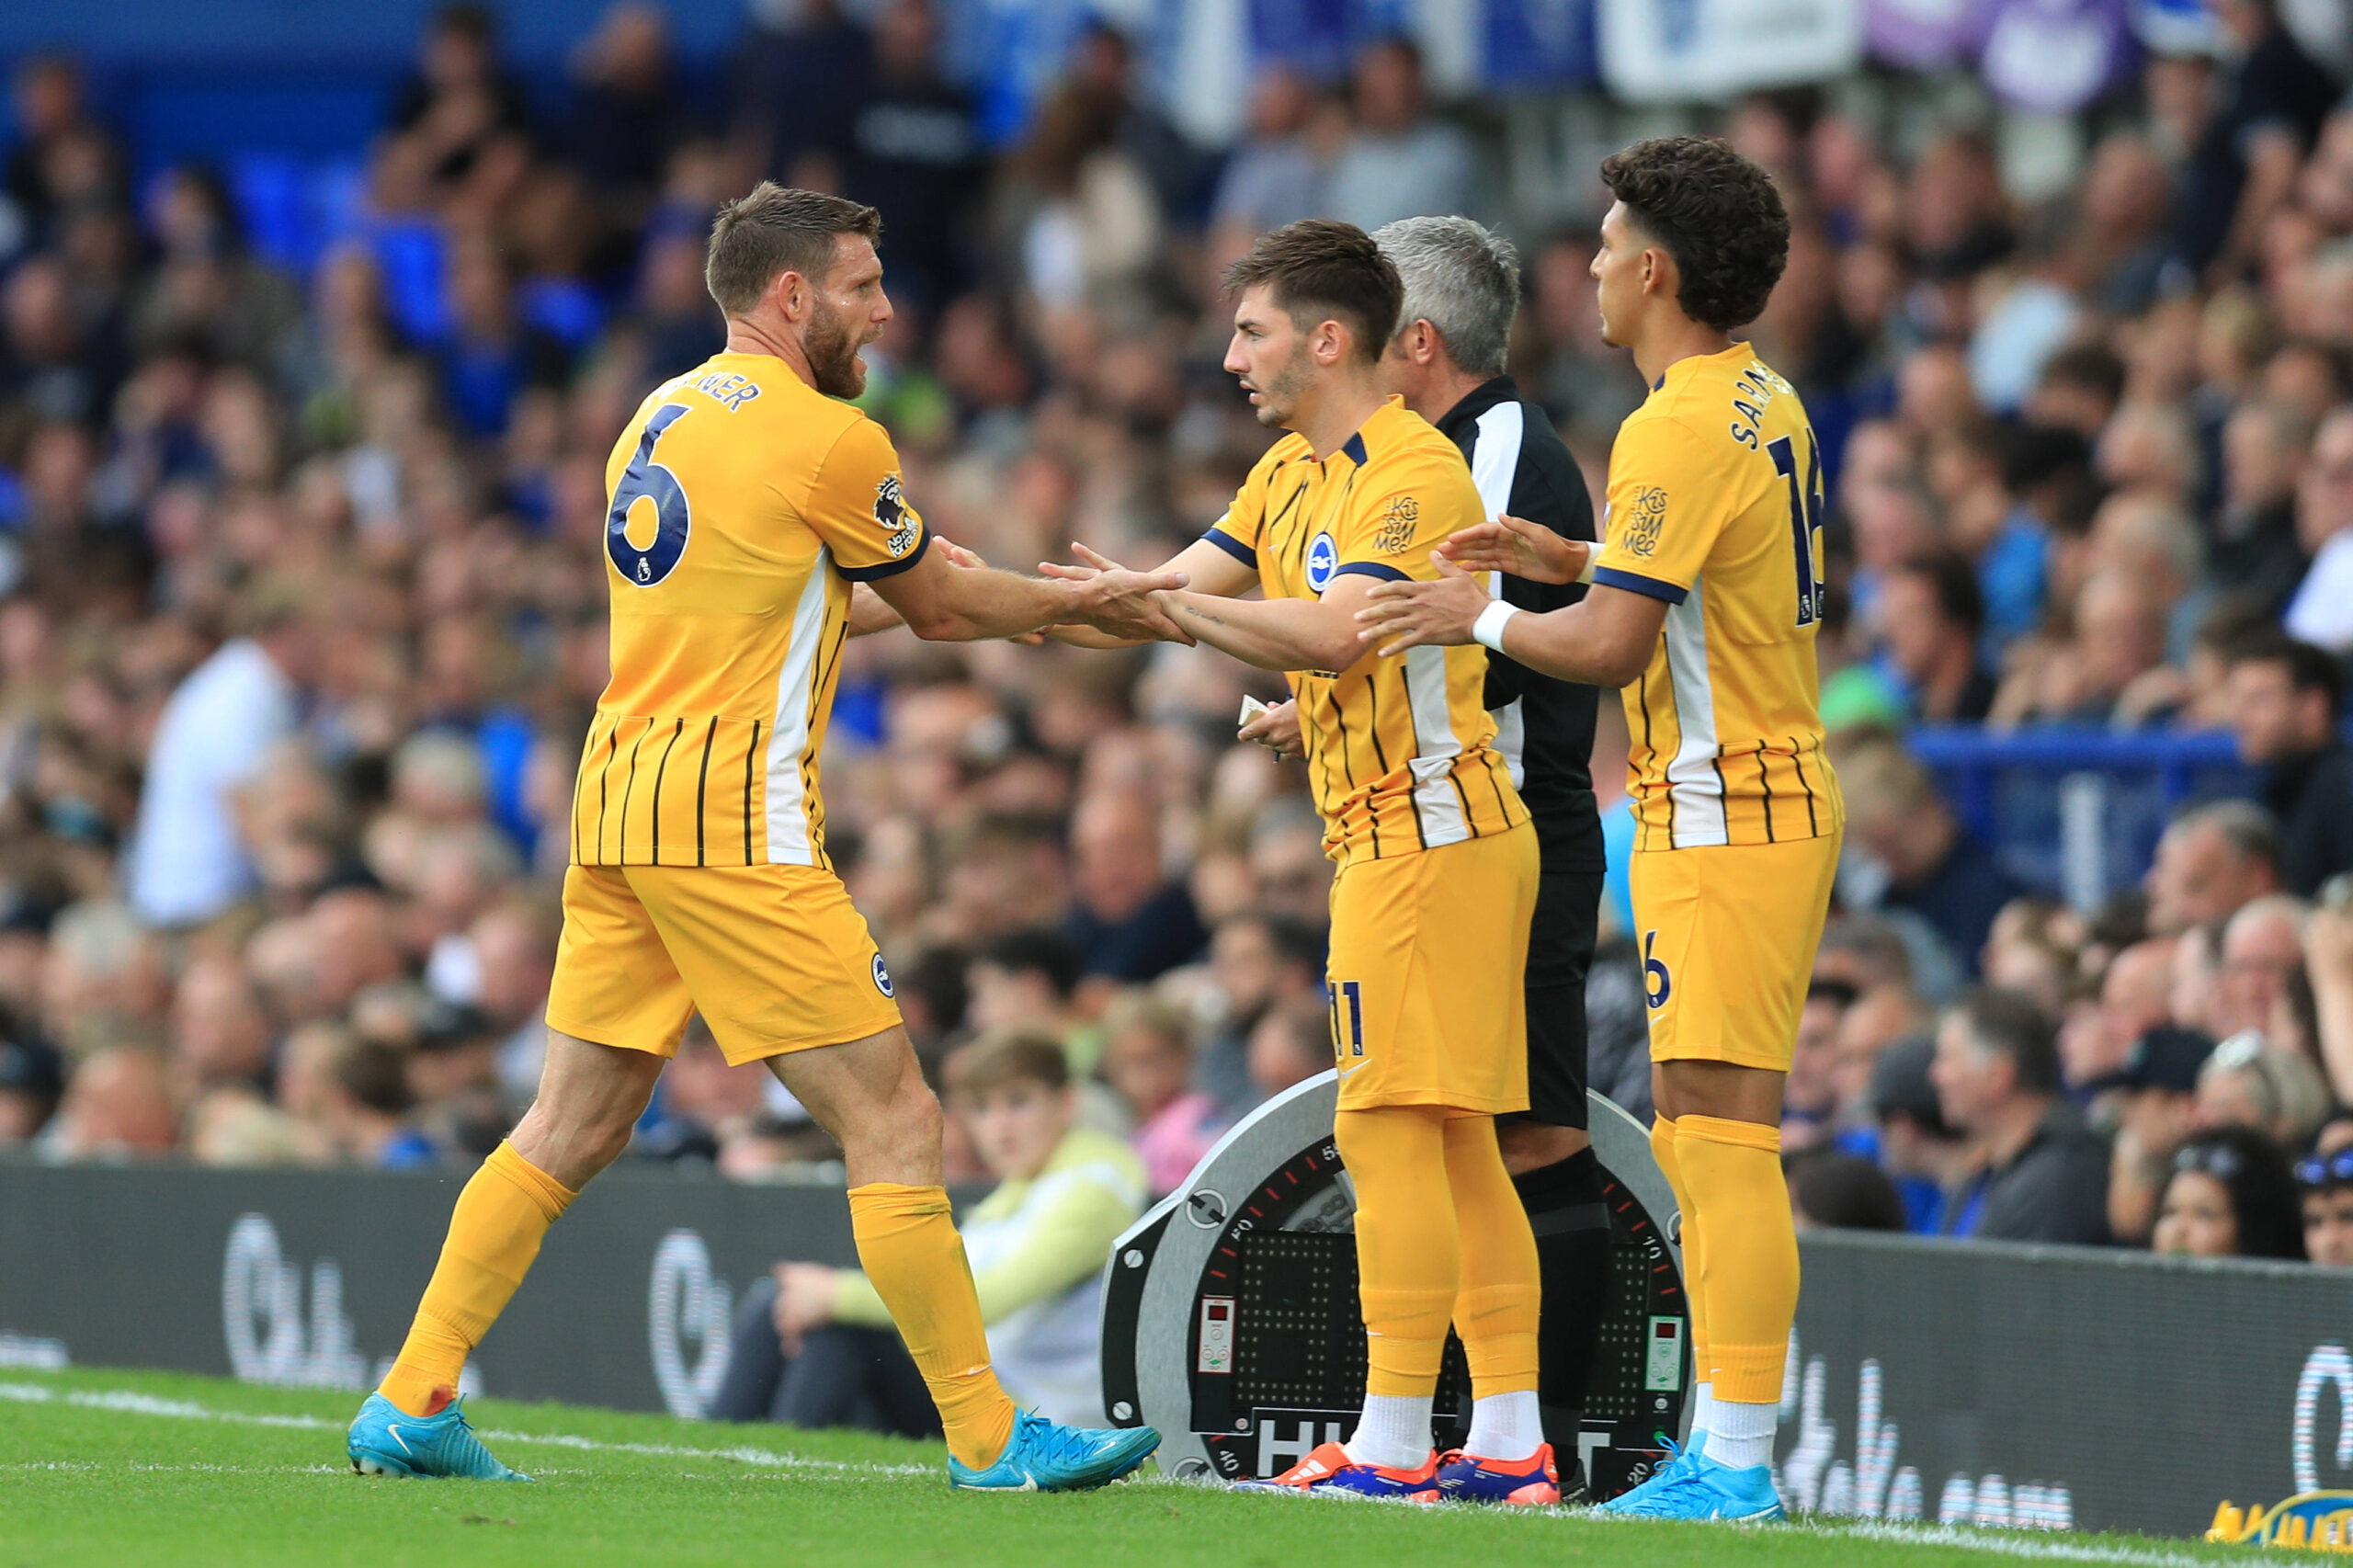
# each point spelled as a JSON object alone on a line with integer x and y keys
{"x": 1319, "y": 269}
{"x": 1018, "y": 1055}
{"x": 1716, "y": 213}
{"x": 774, "y": 230}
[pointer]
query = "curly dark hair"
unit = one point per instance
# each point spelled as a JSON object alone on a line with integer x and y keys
{"x": 1321, "y": 269}
{"x": 1715, "y": 213}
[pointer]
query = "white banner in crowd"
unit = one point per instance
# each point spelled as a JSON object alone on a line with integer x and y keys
{"x": 1669, "y": 50}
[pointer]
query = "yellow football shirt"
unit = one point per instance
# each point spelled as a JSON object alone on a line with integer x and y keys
{"x": 1399, "y": 749}
{"x": 743, "y": 503}
{"x": 1716, "y": 507}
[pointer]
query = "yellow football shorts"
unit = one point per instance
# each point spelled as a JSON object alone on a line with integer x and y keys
{"x": 1427, "y": 956}
{"x": 776, "y": 958}
{"x": 1728, "y": 937}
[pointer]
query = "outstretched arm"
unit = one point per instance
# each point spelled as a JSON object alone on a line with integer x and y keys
{"x": 1208, "y": 570}
{"x": 1604, "y": 639}
{"x": 942, "y": 602}
{"x": 1521, "y": 549}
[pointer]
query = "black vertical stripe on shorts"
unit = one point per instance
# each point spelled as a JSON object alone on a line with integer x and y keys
{"x": 1797, "y": 756}
{"x": 702, "y": 787}
{"x": 629, "y": 787}
{"x": 749, "y": 753}
{"x": 1765, "y": 779}
{"x": 676, "y": 726}
{"x": 604, "y": 784}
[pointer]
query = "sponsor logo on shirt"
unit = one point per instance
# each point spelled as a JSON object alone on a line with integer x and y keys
{"x": 1643, "y": 519}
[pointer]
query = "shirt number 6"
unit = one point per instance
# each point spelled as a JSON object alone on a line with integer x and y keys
{"x": 645, "y": 480}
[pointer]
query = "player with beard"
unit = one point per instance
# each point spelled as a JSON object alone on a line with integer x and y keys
{"x": 746, "y": 500}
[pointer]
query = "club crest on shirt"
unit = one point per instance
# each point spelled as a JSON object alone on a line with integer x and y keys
{"x": 1397, "y": 527}
{"x": 900, "y": 524}
{"x": 1323, "y": 560}
{"x": 1645, "y": 516}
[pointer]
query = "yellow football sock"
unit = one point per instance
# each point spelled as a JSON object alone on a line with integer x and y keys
{"x": 915, "y": 1260}
{"x": 1408, "y": 1266}
{"x": 1748, "y": 1275}
{"x": 1496, "y": 1307}
{"x": 1666, "y": 1149}
{"x": 494, "y": 1232}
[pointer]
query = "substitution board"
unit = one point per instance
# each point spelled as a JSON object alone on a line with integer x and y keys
{"x": 1230, "y": 1323}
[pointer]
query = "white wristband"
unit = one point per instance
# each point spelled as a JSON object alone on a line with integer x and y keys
{"x": 1592, "y": 554}
{"x": 1488, "y": 630}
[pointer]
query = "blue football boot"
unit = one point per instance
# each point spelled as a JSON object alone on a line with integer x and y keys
{"x": 1044, "y": 1457}
{"x": 387, "y": 1440}
{"x": 1677, "y": 1458}
{"x": 1703, "y": 1488}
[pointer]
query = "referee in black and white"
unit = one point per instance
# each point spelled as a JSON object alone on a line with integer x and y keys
{"x": 1447, "y": 361}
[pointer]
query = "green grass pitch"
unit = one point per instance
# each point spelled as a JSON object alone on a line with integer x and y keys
{"x": 125, "y": 1470}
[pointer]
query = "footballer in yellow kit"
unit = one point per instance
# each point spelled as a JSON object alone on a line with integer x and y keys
{"x": 746, "y": 500}
{"x": 1400, "y": 755}
{"x": 1715, "y": 510}
{"x": 1706, "y": 598}
{"x": 699, "y": 873}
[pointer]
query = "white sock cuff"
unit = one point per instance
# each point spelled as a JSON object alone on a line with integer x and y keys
{"x": 1740, "y": 1435}
{"x": 1394, "y": 1431}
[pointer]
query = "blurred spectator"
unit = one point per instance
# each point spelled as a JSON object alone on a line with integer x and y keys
{"x": 1023, "y": 981}
{"x": 2212, "y": 860}
{"x": 1832, "y": 1190}
{"x": 2322, "y": 611}
{"x": 2152, "y": 1098}
{"x": 461, "y": 103}
{"x": 1255, "y": 962}
{"x": 628, "y": 113}
{"x": 1291, "y": 1043}
{"x": 799, "y": 74}
{"x": 915, "y": 152}
{"x": 1921, "y": 1152}
{"x": 814, "y": 1343}
{"x": 2246, "y": 1085}
{"x": 2265, "y": 110}
{"x": 188, "y": 862}
{"x": 2231, "y": 1196}
{"x": 2135, "y": 997}
{"x": 1128, "y": 920}
{"x": 2325, "y": 1178}
{"x": 367, "y": 1103}
{"x": 1399, "y": 161}
{"x": 2284, "y": 697}
{"x": 1810, "y": 1100}
{"x": 1274, "y": 175}
{"x": 118, "y": 1105}
{"x": 1147, "y": 1057}
{"x": 1895, "y": 815}
{"x": 2045, "y": 1176}
{"x": 1935, "y": 617}
{"x": 2262, "y": 951}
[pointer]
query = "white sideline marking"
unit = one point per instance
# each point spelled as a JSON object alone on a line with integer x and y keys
{"x": 124, "y": 1402}
{"x": 2011, "y": 1545}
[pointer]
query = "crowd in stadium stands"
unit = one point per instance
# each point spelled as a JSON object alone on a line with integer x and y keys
{"x": 303, "y": 595}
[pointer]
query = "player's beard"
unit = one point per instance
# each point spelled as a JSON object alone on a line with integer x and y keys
{"x": 1278, "y": 395}
{"x": 832, "y": 347}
